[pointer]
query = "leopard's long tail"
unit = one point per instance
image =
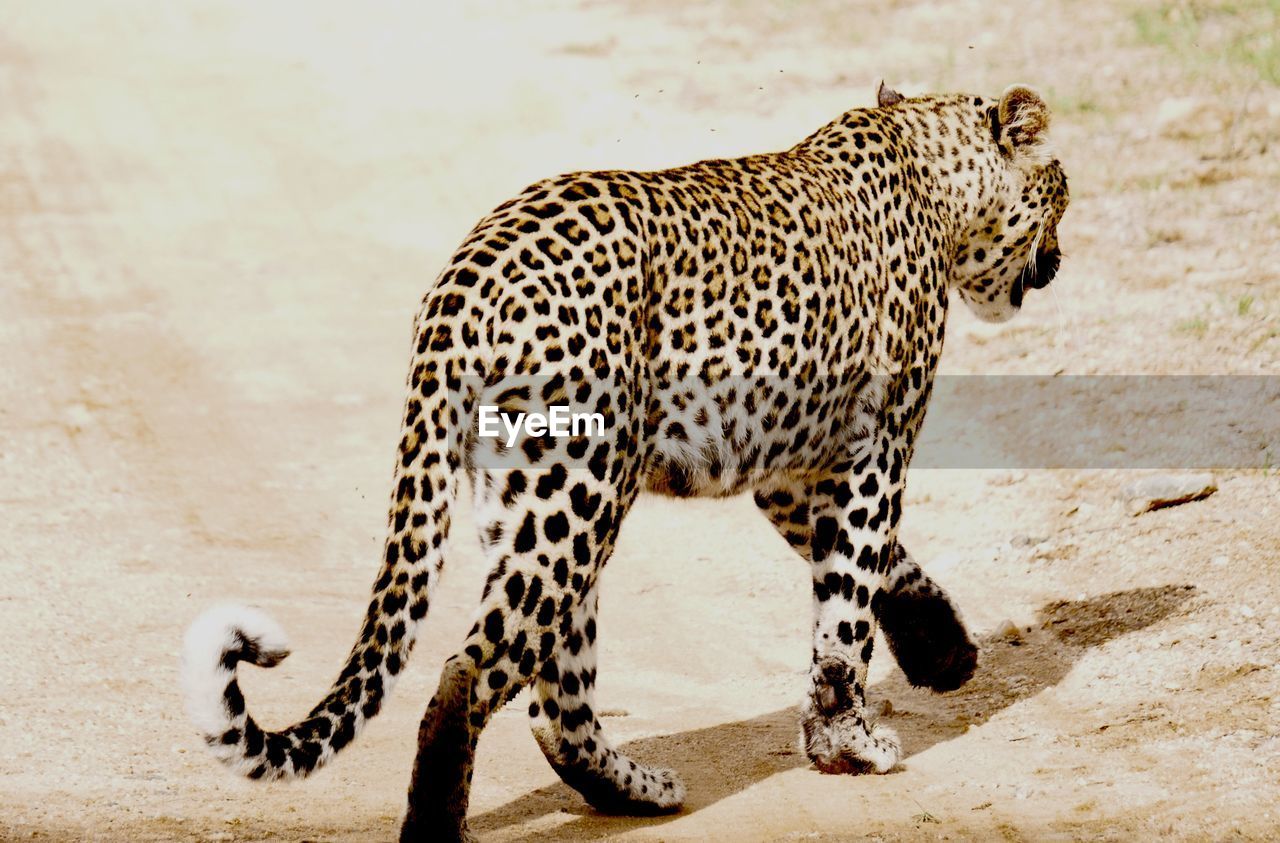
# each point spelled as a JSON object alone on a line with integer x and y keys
{"x": 424, "y": 490}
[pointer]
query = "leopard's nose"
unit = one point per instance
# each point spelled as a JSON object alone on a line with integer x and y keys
{"x": 1038, "y": 276}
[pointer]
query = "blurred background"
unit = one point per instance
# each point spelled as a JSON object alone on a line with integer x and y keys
{"x": 216, "y": 221}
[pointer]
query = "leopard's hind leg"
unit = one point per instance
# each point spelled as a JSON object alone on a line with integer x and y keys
{"x": 548, "y": 529}
{"x": 567, "y": 727}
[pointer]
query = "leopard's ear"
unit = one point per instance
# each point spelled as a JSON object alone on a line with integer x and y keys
{"x": 1023, "y": 123}
{"x": 886, "y": 96}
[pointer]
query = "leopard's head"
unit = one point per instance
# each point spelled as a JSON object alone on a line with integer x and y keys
{"x": 1010, "y": 243}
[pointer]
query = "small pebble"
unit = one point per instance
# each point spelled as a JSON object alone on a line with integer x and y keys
{"x": 1009, "y": 631}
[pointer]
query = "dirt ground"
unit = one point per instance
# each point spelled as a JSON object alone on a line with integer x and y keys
{"x": 216, "y": 220}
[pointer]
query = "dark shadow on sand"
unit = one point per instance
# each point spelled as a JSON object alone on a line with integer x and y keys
{"x": 719, "y": 761}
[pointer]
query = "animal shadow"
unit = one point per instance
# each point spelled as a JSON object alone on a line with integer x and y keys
{"x": 719, "y": 761}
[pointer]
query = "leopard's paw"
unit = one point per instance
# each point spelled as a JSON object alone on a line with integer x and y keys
{"x": 928, "y": 639}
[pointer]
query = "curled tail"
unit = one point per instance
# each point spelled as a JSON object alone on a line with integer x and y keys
{"x": 425, "y": 486}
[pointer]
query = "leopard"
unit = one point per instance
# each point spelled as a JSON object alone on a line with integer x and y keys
{"x": 767, "y": 325}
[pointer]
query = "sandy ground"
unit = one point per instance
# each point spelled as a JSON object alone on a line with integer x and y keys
{"x": 215, "y": 222}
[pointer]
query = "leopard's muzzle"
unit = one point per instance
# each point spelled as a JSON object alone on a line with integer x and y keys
{"x": 1036, "y": 275}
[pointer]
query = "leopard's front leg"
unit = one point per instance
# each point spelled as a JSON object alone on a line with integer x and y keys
{"x": 923, "y": 627}
{"x": 917, "y": 617}
{"x": 854, "y": 516}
